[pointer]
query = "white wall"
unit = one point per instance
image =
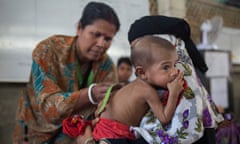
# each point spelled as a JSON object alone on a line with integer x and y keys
{"x": 23, "y": 23}
{"x": 176, "y": 8}
{"x": 229, "y": 39}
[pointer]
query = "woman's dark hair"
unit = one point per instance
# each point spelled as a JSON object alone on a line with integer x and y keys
{"x": 98, "y": 10}
{"x": 124, "y": 60}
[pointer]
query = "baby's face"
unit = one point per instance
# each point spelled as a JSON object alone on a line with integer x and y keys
{"x": 163, "y": 70}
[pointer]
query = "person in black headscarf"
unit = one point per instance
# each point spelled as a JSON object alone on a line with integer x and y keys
{"x": 179, "y": 28}
{"x": 149, "y": 25}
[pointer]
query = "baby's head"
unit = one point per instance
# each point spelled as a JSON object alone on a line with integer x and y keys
{"x": 154, "y": 58}
{"x": 149, "y": 49}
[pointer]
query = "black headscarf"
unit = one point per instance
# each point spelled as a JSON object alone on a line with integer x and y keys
{"x": 149, "y": 25}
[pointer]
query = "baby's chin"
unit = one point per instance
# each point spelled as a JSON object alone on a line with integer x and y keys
{"x": 159, "y": 87}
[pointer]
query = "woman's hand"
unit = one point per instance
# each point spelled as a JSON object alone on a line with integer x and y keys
{"x": 87, "y": 136}
{"x": 81, "y": 139}
{"x": 99, "y": 91}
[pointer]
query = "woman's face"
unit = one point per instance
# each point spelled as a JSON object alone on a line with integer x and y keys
{"x": 94, "y": 40}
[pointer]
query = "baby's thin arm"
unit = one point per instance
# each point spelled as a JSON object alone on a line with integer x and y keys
{"x": 164, "y": 114}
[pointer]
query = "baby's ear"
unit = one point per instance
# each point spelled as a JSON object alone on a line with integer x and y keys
{"x": 140, "y": 72}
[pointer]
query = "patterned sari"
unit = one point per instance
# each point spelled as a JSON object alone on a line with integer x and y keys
{"x": 53, "y": 92}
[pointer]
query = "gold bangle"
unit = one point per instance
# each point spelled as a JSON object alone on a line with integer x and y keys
{"x": 89, "y": 141}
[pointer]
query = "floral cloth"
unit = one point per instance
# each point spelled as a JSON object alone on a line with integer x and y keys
{"x": 195, "y": 111}
{"x": 53, "y": 91}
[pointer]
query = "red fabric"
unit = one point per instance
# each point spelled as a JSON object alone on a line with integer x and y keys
{"x": 165, "y": 95}
{"x": 106, "y": 128}
{"x": 74, "y": 126}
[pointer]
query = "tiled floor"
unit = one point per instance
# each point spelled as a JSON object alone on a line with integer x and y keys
{"x": 9, "y": 94}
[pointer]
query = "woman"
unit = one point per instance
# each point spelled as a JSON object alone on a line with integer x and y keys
{"x": 69, "y": 75}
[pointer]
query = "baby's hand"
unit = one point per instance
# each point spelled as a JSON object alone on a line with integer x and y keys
{"x": 176, "y": 86}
